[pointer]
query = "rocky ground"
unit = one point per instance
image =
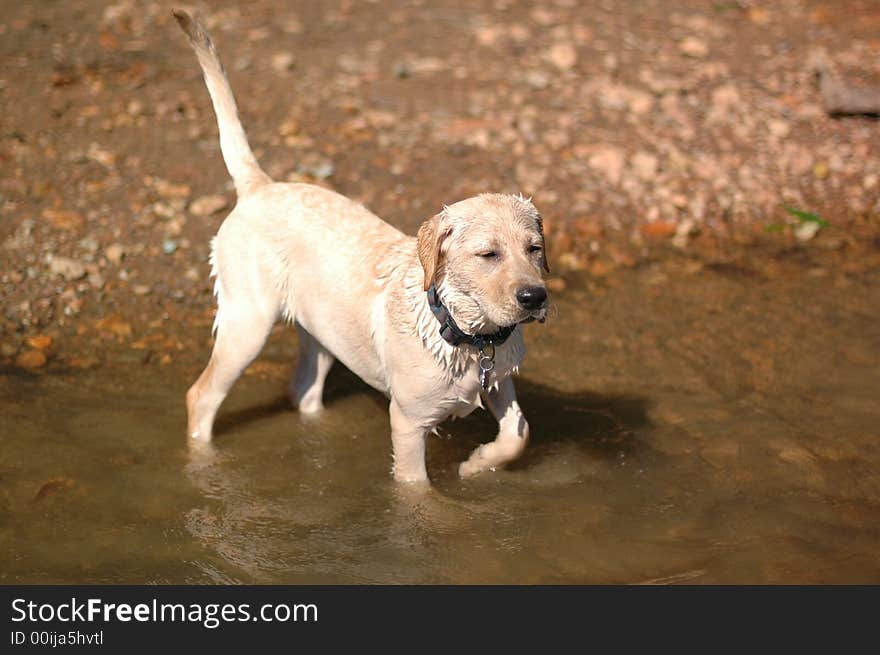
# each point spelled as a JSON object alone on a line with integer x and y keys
{"x": 690, "y": 132}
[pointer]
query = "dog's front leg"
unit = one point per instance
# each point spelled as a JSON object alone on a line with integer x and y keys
{"x": 513, "y": 432}
{"x": 408, "y": 441}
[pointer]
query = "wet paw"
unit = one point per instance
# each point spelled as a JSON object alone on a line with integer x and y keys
{"x": 470, "y": 468}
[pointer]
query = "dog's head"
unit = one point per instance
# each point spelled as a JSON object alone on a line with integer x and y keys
{"x": 486, "y": 256}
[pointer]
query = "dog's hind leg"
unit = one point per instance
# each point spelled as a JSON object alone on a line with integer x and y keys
{"x": 513, "y": 432}
{"x": 307, "y": 384}
{"x": 242, "y": 328}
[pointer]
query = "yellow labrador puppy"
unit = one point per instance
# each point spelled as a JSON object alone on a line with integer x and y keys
{"x": 433, "y": 322}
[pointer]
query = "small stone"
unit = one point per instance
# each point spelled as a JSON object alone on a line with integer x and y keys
{"x": 645, "y": 165}
{"x": 141, "y": 289}
{"x": 169, "y": 246}
{"x": 529, "y": 176}
{"x": 292, "y": 26}
{"x": 600, "y": 268}
{"x": 806, "y": 231}
{"x": 488, "y": 35}
{"x": 207, "y": 205}
{"x": 556, "y": 284}
{"x": 537, "y": 79}
{"x": 323, "y": 170}
{"x": 168, "y": 190}
{"x": 96, "y": 280}
{"x": 609, "y": 161}
{"x": 88, "y": 244}
{"x": 103, "y": 157}
{"x": 726, "y": 97}
{"x": 39, "y": 341}
{"x": 31, "y": 359}
{"x": 135, "y": 108}
{"x": 659, "y": 229}
{"x": 289, "y": 127}
{"x": 683, "y": 232}
{"x": 693, "y": 47}
{"x": 569, "y": 261}
{"x": 758, "y": 15}
{"x": 282, "y": 61}
{"x": 115, "y": 324}
{"x": 114, "y": 253}
{"x": 563, "y": 55}
{"x": 68, "y": 268}
{"x": 821, "y": 170}
{"x": 65, "y": 220}
{"x": 778, "y": 128}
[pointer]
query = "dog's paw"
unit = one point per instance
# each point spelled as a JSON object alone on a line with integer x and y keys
{"x": 473, "y": 466}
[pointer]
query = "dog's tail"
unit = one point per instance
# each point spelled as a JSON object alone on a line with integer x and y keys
{"x": 240, "y": 161}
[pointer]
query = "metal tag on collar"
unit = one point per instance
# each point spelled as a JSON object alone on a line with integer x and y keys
{"x": 486, "y": 361}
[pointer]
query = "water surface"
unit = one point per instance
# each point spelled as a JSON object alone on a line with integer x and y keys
{"x": 698, "y": 426}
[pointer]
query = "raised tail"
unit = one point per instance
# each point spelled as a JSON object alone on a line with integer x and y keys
{"x": 240, "y": 161}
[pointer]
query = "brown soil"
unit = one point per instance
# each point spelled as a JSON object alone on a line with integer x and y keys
{"x": 645, "y": 131}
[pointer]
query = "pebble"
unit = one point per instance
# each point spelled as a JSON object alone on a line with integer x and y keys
{"x": 39, "y": 341}
{"x": 537, "y": 79}
{"x": 726, "y": 97}
{"x": 282, "y": 61}
{"x": 114, "y": 253}
{"x": 807, "y": 230}
{"x": 65, "y": 220}
{"x": 779, "y": 128}
{"x": 645, "y": 165}
{"x": 68, "y": 268}
{"x": 169, "y": 246}
{"x": 609, "y": 161}
{"x": 317, "y": 167}
{"x": 101, "y": 155}
{"x": 207, "y": 205}
{"x": 659, "y": 229}
{"x": 563, "y": 55}
{"x": 168, "y": 190}
{"x": 556, "y": 284}
{"x": 31, "y": 359}
{"x": 693, "y": 47}
{"x": 96, "y": 280}
{"x": 115, "y": 324}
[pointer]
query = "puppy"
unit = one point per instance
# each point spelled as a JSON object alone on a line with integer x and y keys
{"x": 433, "y": 322}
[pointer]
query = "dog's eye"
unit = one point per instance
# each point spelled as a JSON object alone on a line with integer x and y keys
{"x": 534, "y": 249}
{"x": 489, "y": 254}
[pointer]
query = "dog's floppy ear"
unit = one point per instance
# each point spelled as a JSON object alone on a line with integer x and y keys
{"x": 543, "y": 244}
{"x": 430, "y": 238}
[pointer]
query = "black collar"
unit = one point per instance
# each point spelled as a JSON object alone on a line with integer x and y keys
{"x": 453, "y": 335}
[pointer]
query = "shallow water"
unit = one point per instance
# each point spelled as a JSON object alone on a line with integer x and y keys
{"x": 709, "y": 427}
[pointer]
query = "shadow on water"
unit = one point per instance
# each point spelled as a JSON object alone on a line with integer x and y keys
{"x": 602, "y": 426}
{"x": 341, "y": 384}
{"x": 231, "y": 422}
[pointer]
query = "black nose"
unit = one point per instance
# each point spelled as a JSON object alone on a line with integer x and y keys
{"x": 531, "y": 297}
